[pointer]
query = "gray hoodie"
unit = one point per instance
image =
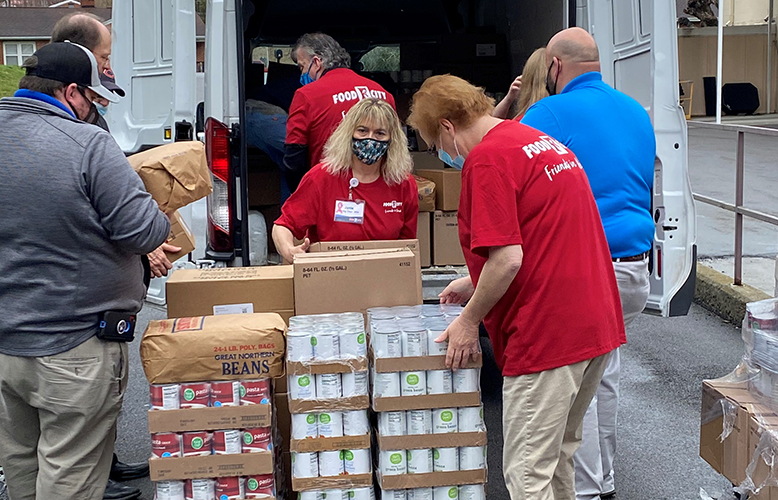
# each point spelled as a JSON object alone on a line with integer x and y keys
{"x": 74, "y": 220}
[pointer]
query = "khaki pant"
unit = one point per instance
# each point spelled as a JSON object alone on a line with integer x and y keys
{"x": 58, "y": 420}
{"x": 542, "y": 417}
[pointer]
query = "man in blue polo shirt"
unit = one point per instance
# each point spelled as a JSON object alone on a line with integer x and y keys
{"x": 612, "y": 136}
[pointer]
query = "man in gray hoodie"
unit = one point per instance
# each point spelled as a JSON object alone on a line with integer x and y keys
{"x": 75, "y": 220}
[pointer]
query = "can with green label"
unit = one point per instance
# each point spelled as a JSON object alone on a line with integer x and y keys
{"x": 413, "y": 383}
{"x": 304, "y": 426}
{"x": 419, "y": 461}
{"x": 357, "y": 461}
{"x": 445, "y": 459}
{"x": 353, "y": 342}
{"x": 330, "y": 424}
{"x": 445, "y": 493}
{"x": 392, "y": 462}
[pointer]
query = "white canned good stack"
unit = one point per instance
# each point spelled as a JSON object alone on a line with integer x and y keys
{"x": 425, "y": 435}
{"x": 453, "y": 492}
{"x": 365, "y": 493}
{"x": 322, "y": 338}
{"x": 328, "y": 384}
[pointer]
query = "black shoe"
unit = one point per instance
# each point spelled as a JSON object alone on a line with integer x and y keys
{"x": 116, "y": 491}
{"x": 608, "y": 496}
{"x": 125, "y": 472}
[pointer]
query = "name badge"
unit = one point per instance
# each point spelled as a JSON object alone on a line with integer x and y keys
{"x": 350, "y": 211}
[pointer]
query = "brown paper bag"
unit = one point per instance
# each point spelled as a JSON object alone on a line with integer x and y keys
{"x": 175, "y": 174}
{"x": 426, "y": 194}
{"x": 226, "y": 347}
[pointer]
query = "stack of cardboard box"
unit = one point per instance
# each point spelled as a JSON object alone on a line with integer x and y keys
{"x": 440, "y": 226}
{"x": 328, "y": 400}
{"x": 431, "y": 436}
{"x": 739, "y": 418}
{"x": 211, "y": 416}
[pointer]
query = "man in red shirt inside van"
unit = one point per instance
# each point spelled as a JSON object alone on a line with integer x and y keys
{"x": 329, "y": 90}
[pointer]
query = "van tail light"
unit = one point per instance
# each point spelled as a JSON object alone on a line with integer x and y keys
{"x": 658, "y": 262}
{"x": 217, "y": 150}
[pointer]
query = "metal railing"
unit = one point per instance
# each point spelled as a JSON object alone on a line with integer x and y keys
{"x": 738, "y": 208}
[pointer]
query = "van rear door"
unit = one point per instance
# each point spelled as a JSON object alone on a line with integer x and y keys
{"x": 638, "y": 44}
{"x": 154, "y": 59}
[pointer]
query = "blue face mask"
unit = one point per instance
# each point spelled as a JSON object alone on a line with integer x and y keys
{"x": 101, "y": 109}
{"x": 305, "y": 78}
{"x": 456, "y": 163}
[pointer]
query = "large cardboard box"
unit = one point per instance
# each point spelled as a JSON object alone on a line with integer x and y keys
{"x": 424, "y": 234}
{"x": 446, "y": 250}
{"x": 423, "y": 160}
{"x": 347, "y": 246}
{"x": 334, "y": 282}
{"x": 180, "y": 236}
{"x": 725, "y": 403}
{"x": 227, "y": 347}
{"x": 448, "y": 186}
{"x": 229, "y": 290}
{"x": 759, "y": 425}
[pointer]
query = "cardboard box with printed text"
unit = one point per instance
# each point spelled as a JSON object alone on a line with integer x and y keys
{"x": 446, "y": 249}
{"x": 230, "y": 290}
{"x": 335, "y": 282}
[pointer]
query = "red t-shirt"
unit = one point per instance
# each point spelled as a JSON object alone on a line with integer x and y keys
{"x": 520, "y": 187}
{"x": 318, "y": 108}
{"x": 390, "y": 211}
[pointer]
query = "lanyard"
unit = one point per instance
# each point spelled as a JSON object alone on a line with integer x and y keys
{"x": 354, "y": 182}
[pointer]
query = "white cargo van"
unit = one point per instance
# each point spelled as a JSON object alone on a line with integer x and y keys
{"x": 486, "y": 41}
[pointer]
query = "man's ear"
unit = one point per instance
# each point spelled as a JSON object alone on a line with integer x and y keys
{"x": 69, "y": 92}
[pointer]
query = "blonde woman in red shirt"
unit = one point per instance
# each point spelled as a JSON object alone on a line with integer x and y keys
{"x": 362, "y": 190}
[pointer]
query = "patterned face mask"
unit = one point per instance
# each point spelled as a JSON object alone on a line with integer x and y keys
{"x": 369, "y": 151}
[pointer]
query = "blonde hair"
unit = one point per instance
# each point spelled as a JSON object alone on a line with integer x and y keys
{"x": 449, "y": 97}
{"x": 396, "y": 165}
{"x": 533, "y": 81}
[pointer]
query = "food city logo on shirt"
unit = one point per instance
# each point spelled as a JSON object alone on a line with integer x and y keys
{"x": 393, "y": 206}
{"x": 358, "y": 94}
{"x": 544, "y": 143}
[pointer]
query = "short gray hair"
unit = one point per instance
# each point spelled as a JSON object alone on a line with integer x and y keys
{"x": 318, "y": 44}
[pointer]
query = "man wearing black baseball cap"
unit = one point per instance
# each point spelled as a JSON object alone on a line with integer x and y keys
{"x": 71, "y": 65}
{"x": 76, "y": 220}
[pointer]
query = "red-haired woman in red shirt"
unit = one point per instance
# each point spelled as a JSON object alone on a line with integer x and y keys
{"x": 362, "y": 190}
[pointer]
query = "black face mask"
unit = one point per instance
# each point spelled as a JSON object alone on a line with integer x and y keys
{"x": 551, "y": 85}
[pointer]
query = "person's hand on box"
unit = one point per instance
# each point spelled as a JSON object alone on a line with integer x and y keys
{"x": 462, "y": 335}
{"x": 458, "y": 291}
{"x": 158, "y": 261}
{"x": 294, "y": 250}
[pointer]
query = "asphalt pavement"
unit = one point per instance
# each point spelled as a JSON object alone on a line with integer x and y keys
{"x": 663, "y": 366}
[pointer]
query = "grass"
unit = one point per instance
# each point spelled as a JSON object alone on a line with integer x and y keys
{"x": 9, "y": 79}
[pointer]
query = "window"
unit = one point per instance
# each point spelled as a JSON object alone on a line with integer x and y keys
{"x": 15, "y": 53}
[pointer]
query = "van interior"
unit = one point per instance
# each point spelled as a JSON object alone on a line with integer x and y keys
{"x": 397, "y": 43}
